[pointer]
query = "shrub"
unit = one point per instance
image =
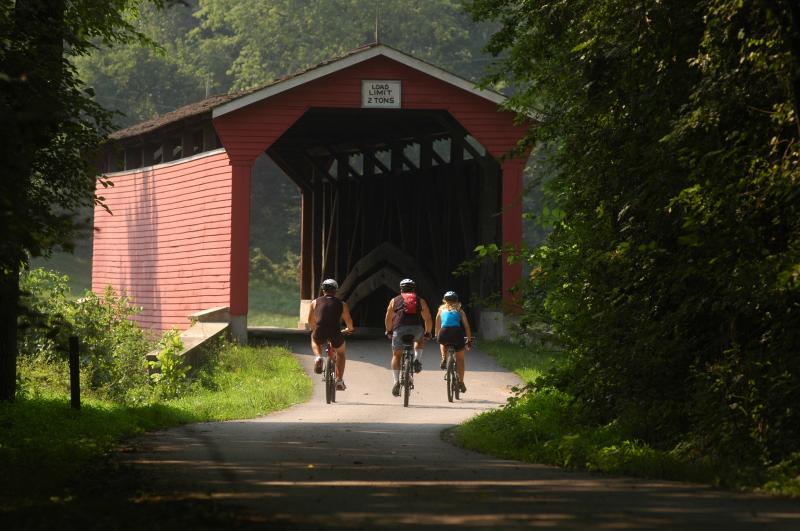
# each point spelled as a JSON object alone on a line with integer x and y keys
{"x": 113, "y": 347}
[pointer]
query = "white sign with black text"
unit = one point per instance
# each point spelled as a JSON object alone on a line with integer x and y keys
{"x": 380, "y": 94}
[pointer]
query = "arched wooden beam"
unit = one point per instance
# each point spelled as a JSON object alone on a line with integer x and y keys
{"x": 386, "y": 253}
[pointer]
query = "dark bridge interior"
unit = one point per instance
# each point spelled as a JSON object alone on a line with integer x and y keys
{"x": 390, "y": 194}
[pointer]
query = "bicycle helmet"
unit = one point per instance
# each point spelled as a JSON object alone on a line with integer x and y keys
{"x": 330, "y": 285}
{"x": 450, "y": 296}
{"x": 407, "y": 285}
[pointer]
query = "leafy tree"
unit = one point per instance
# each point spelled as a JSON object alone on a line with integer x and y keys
{"x": 51, "y": 129}
{"x": 269, "y": 40}
{"x": 673, "y": 277}
{"x": 140, "y": 80}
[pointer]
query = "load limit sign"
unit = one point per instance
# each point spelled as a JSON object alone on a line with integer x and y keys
{"x": 380, "y": 93}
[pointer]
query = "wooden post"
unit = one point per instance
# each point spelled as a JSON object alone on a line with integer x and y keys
{"x": 74, "y": 373}
{"x": 240, "y": 247}
{"x": 511, "y": 222}
{"x": 306, "y": 239}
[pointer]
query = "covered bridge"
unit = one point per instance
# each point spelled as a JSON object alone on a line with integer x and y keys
{"x": 398, "y": 164}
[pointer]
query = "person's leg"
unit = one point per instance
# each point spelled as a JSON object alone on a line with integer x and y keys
{"x": 443, "y": 355}
{"x": 396, "y": 371}
{"x": 316, "y": 348}
{"x": 460, "y": 365}
{"x": 341, "y": 359}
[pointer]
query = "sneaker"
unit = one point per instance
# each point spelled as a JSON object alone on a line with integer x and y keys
{"x": 443, "y": 365}
{"x": 396, "y": 389}
{"x": 340, "y": 386}
{"x": 462, "y": 387}
{"x": 417, "y": 366}
{"x": 318, "y": 365}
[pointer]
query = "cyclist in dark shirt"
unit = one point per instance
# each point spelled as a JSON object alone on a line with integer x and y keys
{"x": 325, "y": 318}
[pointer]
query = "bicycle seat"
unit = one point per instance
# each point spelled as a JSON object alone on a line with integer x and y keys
{"x": 407, "y": 339}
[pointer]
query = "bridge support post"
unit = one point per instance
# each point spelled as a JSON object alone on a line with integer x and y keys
{"x": 512, "y": 223}
{"x": 240, "y": 248}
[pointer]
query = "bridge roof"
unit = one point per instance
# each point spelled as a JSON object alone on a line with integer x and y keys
{"x": 222, "y": 104}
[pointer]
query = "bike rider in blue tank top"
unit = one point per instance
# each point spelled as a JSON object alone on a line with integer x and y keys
{"x": 452, "y": 327}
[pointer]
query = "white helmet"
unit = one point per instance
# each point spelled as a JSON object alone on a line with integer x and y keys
{"x": 330, "y": 285}
{"x": 407, "y": 285}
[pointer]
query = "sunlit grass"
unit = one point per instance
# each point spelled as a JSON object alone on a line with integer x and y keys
{"x": 253, "y": 382}
{"x": 527, "y": 361}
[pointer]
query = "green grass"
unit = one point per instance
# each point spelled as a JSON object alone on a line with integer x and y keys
{"x": 527, "y": 361}
{"x": 546, "y": 426}
{"x": 44, "y": 443}
{"x": 273, "y": 305}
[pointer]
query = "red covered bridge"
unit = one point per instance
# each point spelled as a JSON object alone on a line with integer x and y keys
{"x": 399, "y": 167}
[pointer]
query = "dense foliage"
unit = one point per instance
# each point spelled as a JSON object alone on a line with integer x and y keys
{"x": 214, "y": 46}
{"x": 52, "y": 127}
{"x": 672, "y": 279}
{"x": 112, "y": 346}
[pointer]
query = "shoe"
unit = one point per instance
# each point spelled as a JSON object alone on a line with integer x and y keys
{"x": 396, "y": 389}
{"x": 318, "y": 365}
{"x": 443, "y": 365}
{"x": 417, "y": 366}
{"x": 462, "y": 387}
{"x": 340, "y": 386}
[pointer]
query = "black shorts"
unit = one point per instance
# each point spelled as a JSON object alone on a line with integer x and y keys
{"x": 452, "y": 335}
{"x": 322, "y": 334}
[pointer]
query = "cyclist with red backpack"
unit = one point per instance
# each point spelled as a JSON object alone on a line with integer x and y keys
{"x": 407, "y": 314}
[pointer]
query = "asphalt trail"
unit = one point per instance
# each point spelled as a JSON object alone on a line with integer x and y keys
{"x": 368, "y": 463}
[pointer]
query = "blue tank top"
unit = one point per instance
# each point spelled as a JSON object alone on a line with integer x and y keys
{"x": 451, "y": 318}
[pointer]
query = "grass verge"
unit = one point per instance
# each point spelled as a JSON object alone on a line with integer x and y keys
{"x": 528, "y": 362}
{"x": 44, "y": 444}
{"x": 273, "y": 304}
{"x": 546, "y": 426}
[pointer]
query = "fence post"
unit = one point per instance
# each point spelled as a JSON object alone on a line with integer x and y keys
{"x": 74, "y": 373}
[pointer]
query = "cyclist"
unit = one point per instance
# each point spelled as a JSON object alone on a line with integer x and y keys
{"x": 325, "y": 318}
{"x": 452, "y": 327}
{"x": 407, "y": 314}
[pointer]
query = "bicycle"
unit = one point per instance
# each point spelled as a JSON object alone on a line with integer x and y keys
{"x": 451, "y": 374}
{"x": 329, "y": 371}
{"x": 329, "y": 374}
{"x": 407, "y": 367}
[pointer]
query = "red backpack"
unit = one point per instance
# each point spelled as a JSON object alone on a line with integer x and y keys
{"x": 409, "y": 303}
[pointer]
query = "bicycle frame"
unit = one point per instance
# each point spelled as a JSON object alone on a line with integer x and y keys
{"x": 406, "y": 368}
{"x": 451, "y": 376}
{"x": 329, "y": 374}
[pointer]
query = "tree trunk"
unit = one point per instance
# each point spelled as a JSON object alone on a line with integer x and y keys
{"x": 31, "y": 107}
{"x": 9, "y": 309}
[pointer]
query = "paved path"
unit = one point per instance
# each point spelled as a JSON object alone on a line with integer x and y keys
{"x": 368, "y": 463}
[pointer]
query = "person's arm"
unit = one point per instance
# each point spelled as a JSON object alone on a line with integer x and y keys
{"x": 465, "y": 322}
{"x": 387, "y": 321}
{"x": 348, "y": 320}
{"x": 426, "y": 316}
{"x": 438, "y": 321}
{"x": 312, "y": 318}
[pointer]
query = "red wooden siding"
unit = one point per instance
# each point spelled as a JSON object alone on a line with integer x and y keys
{"x": 168, "y": 243}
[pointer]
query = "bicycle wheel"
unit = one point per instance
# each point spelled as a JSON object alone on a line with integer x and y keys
{"x": 456, "y": 388}
{"x": 406, "y": 381}
{"x": 330, "y": 381}
{"x": 449, "y": 377}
